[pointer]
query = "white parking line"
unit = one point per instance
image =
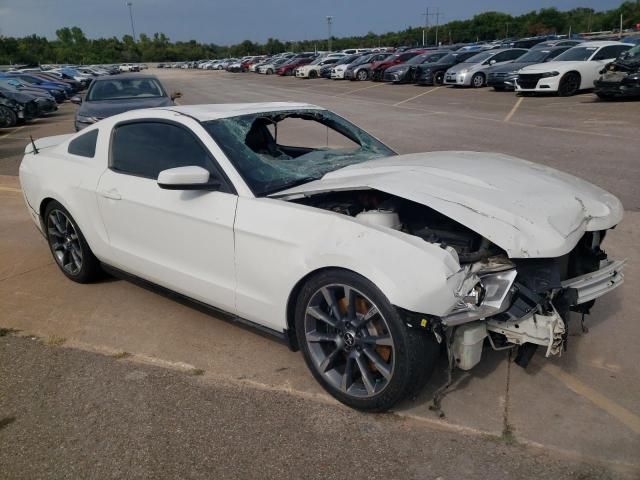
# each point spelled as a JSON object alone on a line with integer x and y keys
{"x": 360, "y": 89}
{"x": 513, "y": 110}
{"x": 416, "y": 96}
{"x": 13, "y": 132}
{"x": 627, "y": 418}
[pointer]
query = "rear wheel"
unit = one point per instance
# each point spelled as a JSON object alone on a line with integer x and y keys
{"x": 363, "y": 75}
{"x": 8, "y": 117}
{"x": 569, "y": 85}
{"x": 356, "y": 345}
{"x": 478, "y": 80}
{"x": 68, "y": 246}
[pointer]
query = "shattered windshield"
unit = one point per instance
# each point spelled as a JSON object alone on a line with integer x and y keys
{"x": 274, "y": 151}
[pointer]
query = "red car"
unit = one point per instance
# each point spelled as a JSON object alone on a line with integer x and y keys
{"x": 244, "y": 66}
{"x": 290, "y": 67}
{"x": 378, "y": 68}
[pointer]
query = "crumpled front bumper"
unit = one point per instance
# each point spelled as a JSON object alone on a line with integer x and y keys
{"x": 501, "y": 289}
{"x": 593, "y": 285}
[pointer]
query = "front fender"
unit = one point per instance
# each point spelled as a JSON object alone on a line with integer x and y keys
{"x": 278, "y": 243}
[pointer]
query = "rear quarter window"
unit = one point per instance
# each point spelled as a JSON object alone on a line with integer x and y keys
{"x": 84, "y": 145}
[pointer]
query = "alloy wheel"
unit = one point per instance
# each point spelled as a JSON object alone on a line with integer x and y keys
{"x": 478, "y": 80}
{"x": 349, "y": 341}
{"x": 363, "y": 75}
{"x": 569, "y": 85}
{"x": 64, "y": 242}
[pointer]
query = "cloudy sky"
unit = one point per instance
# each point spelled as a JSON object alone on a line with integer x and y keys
{"x": 231, "y": 21}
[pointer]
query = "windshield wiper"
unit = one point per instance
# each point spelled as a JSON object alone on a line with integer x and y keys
{"x": 288, "y": 185}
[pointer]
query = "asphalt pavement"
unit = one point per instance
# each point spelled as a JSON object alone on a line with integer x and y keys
{"x": 68, "y": 413}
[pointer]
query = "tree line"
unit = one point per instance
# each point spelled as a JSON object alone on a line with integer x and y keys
{"x": 71, "y": 45}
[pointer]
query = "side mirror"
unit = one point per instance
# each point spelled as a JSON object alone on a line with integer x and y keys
{"x": 187, "y": 178}
{"x": 175, "y": 95}
{"x": 77, "y": 100}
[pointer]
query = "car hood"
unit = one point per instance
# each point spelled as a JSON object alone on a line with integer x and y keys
{"x": 551, "y": 66}
{"x": 109, "y": 108}
{"x": 529, "y": 210}
{"x": 460, "y": 66}
{"x": 508, "y": 67}
{"x": 400, "y": 67}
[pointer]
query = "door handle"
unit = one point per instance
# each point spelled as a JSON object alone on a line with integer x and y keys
{"x": 112, "y": 194}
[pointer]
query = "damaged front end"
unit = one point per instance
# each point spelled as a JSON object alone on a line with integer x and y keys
{"x": 526, "y": 302}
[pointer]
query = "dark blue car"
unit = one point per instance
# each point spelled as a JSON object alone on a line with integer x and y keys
{"x": 59, "y": 91}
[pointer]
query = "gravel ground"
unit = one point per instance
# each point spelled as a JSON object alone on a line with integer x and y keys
{"x": 68, "y": 413}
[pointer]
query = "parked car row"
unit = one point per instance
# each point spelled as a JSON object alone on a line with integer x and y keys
{"x": 28, "y": 93}
{"x": 526, "y": 66}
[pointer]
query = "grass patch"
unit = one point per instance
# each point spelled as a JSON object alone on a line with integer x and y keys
{"x": 55, "y": 341}
{"x": 508, "y": 435}
{"x": 196, "y": 372}
{"x": 121, "y": 355}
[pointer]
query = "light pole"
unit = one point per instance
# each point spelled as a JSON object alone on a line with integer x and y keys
{"x": 329, "y": 22}
{"x": 133, "y": 30}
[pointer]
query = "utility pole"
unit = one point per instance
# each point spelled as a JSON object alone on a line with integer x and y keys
{"x": 425, "y": 27}
{"x": 506, "y": 35}
{"x": 133, "y": 31}
{"x": 620, "y": 34}
{"x": 329, "y": 22}
{"x": 437, "y": 24}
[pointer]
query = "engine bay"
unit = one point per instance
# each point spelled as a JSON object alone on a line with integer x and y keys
{"x": 383, "y": 209}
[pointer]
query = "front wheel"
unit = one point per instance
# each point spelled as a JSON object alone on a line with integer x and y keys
{"x": 356, "y": 345}
{"x": 438, "y": 78}
{"x": 269, "y": 71}
{"x": 68, "y": 246}
{"x": 363, "y": 75}
{"x": 8, "y": 117}
{"x": 477, "y": 80}
{"x": 313, "y": 74}
{"x": 569, "y": 85}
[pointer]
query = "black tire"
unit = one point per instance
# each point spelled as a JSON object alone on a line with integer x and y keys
{"x": 269, "y": 71}
{"x": 363, "y": 75}
{"x": 438, "y": 78}
{"x": 313, "y": 74}
{"x": 478, "y": 80}
{"x": 8, "y": 117}
{"x": 89, "y": 269}
{"x": 605, "y": 96}
{"x": 569, "y": 84}
{"x": 412, "y": 354}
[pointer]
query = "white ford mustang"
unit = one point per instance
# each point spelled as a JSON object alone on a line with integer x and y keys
{"x": 291, "y": 219}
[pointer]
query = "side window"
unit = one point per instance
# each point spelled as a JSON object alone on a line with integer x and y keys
{"x": 305, "y": 134}
{"x": 513, "y": 54}
{"x": 147, "y": 148}
{"x": 84, "y": 145}
{"x": 612, "y": 51}
{"x": 406, "y": 56}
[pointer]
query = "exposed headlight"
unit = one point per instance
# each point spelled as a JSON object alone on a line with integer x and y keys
{"x": 550, "y": 74}
{"x": 514, "y": 72}
{"x": 83, "y": 119}
{"x": 464, "y": 70}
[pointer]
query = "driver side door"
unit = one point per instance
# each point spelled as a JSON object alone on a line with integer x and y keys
{"x": 179, "y": 239}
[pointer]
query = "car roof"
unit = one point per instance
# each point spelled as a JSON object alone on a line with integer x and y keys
{"x": 126, "y": 76}
{"x": 596, "y": 43}
{"x": 215, "y": 111}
